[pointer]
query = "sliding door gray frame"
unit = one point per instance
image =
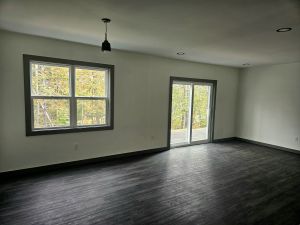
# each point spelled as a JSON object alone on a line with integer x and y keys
{"x": 213, "y": 84}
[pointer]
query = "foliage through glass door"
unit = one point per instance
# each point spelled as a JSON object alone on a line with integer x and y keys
{"x": 190, "y": 113}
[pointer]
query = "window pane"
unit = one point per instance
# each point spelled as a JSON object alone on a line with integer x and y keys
{"x": 49, "y": 80}
{"x": 90, "y": 83}
{"x": 91, "y": 112}
{"x": 51, "y": 113}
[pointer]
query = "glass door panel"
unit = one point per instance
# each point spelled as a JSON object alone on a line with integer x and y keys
{"x": 200, "y": 115}
{"x": 181, "y": 111}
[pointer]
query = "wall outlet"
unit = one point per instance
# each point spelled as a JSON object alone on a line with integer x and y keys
{"x": 76, "y": 146}
{"x": 297, "y": 139}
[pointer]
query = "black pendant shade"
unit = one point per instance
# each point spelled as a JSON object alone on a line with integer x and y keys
{"x": 105, "y": 44}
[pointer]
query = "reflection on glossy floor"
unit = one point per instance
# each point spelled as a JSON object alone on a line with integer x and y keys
{"x": 214, "y": 184}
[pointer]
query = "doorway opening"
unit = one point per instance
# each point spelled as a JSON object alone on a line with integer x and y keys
{"x": 191, "y": 111}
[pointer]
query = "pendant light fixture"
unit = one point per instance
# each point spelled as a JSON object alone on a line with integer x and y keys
{"x": 105, "y": 44}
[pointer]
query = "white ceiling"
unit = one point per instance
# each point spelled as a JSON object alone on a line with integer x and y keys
{"x": 224, "y": 32}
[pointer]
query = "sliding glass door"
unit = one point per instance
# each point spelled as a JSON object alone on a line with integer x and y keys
{"x": 181, "y": 106}
{"x": 191, "y": 112}
{"x": 201, "y": 112}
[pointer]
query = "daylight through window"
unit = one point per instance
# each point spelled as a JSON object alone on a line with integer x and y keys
{"x": 67, "y": 96}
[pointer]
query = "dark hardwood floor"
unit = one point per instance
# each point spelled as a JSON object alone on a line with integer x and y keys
{"x": 214, "y": 184}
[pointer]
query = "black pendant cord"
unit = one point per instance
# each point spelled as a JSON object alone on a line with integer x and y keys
{"x": 106, "y": 31}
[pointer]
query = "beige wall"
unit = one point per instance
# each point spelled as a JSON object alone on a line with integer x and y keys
{"x": 141, "y": 102}
{"x": 269, "y": 105}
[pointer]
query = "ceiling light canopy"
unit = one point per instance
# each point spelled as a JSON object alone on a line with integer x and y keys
{"x": 284, "y": 29}
{"x": 105, "y": 44}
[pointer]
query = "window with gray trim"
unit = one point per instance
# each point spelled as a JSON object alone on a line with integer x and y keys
{"x": 67, "y": 96}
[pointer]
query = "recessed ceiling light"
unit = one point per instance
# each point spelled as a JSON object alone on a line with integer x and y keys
{"x": 246, "y": 64}
{"x": 180, "y": 53}
{"x": 284, "y": 29}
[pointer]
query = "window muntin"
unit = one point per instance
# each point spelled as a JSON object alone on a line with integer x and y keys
{"x": 68, "y": 97}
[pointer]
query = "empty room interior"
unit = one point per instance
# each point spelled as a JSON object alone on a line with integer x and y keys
{"x": 150, "y": 112}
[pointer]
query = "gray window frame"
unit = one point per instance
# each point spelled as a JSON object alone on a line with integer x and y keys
{"x": 72, "y": 64}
